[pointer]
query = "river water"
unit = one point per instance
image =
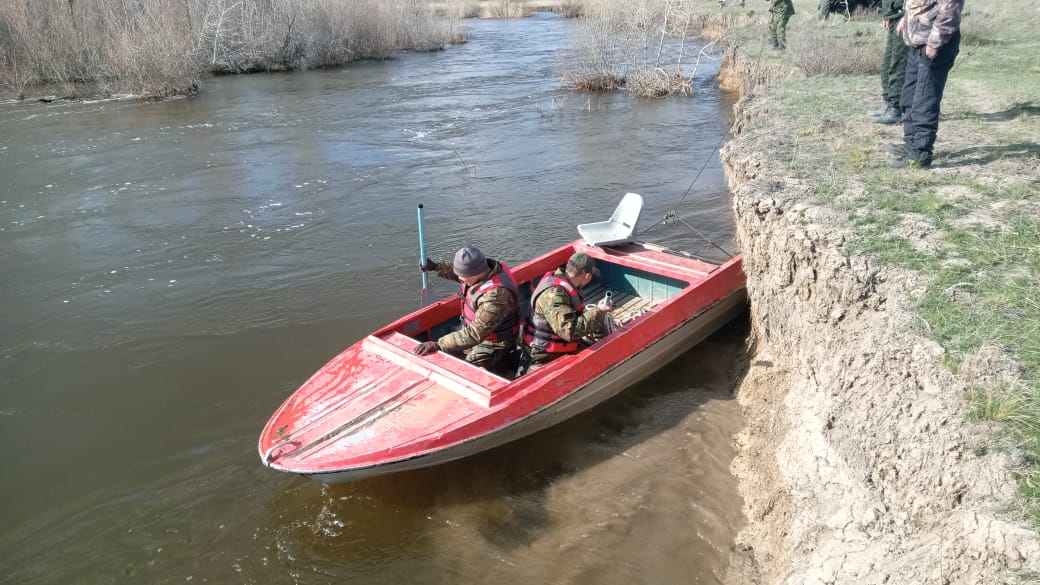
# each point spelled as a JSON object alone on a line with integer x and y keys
{"x": 173, "y": 270}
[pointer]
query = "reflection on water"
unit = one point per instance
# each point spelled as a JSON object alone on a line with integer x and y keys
{"x": 173, "y": 270}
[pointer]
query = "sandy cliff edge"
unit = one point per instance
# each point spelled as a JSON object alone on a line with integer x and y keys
{"x": 858, "y": 464}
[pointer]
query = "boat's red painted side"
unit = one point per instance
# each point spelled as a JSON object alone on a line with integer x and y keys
{"x": 377, "y": 403}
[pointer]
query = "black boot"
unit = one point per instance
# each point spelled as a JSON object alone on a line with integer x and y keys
{"x": 891, "y": 115}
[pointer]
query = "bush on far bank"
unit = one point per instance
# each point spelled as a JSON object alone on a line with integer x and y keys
{"x": 164, "y": 48}
{"x": 642, "y": 46}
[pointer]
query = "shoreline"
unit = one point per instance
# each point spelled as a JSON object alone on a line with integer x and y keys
{"x": 859, "y": 462}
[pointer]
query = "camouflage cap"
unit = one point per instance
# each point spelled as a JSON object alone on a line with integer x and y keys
{"x": 582, "y": 264}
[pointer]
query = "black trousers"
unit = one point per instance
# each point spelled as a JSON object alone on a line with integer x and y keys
{"x": 922, "y": 94}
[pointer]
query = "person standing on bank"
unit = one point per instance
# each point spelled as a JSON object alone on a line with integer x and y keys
{"x": 782, "y": 11}
{"x": 490, "y": 312}
{"x": 893, "y": 65}
{"x": 558, "y": 317}
{"x": 931, "y": 30}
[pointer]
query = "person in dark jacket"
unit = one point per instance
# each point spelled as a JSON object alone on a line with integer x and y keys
{"x": 931, "y": 31}
{"x": 893, "y": 65}
{"x": 490, "y": 313}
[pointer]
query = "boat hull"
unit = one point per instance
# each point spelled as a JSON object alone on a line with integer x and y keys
{"x": 603, "y": 387}
{"x": 377, "y": 408}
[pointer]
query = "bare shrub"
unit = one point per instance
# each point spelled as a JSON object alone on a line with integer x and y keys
{"x": 66, "y": 46}
{"x": 163, "y": 48}
{"x": 594, "y": 59}
{"x": 639, "y": 46}
{"x": 817, "y": 54}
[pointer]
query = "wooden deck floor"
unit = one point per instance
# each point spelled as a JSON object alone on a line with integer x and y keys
{"x": 626, "y": 307}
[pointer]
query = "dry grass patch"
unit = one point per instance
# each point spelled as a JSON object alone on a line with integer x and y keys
{"x": 597, "y": 83}
{"x": 458, "y": 9}
{"x": 818, "y": 51}
{"x": 570, "y": 8}
{"x": 655, "y": 83}
{"x": 505, "y": 9}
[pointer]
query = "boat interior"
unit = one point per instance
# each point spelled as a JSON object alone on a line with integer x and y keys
{"x": 633, "y": 293}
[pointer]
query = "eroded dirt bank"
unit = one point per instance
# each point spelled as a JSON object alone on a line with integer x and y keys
{"x": 858, "y": 464}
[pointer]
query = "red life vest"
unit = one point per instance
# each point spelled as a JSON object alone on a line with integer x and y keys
{"x": 502, "y": 278}
{"x": 537, "y": 331}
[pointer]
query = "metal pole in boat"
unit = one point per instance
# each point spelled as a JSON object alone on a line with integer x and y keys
{"x": 422, "y": 258}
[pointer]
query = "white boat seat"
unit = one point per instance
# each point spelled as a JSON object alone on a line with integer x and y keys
{"x": 619, "y": 228}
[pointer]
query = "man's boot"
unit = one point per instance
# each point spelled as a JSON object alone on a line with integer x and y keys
{"x": 774, "y": 43}
{"x": 891, "y": 115}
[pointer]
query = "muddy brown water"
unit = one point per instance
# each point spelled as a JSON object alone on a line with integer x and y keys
{"x": 173, "y": 270}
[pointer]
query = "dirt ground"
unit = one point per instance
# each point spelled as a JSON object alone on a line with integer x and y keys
{"x": 858, "y": 463}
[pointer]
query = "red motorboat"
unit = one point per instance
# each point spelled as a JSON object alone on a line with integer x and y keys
{"x": 378, "y": 408}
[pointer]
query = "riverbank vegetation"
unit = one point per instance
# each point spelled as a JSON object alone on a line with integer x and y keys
{"x": 645, "y": 47}
{"x": 968, "y": 229}
{"x": 68, "y": 47}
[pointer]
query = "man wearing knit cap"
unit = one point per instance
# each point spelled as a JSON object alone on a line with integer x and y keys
{"x": 559, "y": 318}
{"x": 490, "y": 312}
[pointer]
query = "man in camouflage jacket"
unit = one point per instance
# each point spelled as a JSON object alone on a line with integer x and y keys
{"x": 488, "y": 338}
{"x": 893, "y": 65}
{"x": 782, "y": 11}
{"x": 560, "y": 307}
{"x": 931, "y": 31}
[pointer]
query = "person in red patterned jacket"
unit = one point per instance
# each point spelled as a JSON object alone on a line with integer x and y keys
{"x": 931, "y": 31}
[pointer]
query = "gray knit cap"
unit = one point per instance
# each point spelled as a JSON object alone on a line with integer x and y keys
{"x": 469, "y": 261}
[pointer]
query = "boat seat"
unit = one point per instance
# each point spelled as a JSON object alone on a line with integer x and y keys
{"x": 619, "y": 228}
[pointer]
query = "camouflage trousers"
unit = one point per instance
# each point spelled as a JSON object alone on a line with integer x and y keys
{"x": 893, "y": 67}
{"x": 495, "y": 359}
{"x": 781, "y": 12}
{"x": 531, "y": 359}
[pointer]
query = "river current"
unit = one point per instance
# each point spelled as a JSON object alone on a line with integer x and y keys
{"x": 173, "y": 270}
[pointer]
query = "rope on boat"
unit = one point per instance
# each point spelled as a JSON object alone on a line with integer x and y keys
{"x": 673, "y": 216}
{"x": 269, "y": 456}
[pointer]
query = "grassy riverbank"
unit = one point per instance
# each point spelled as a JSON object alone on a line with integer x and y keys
{"x": 968, "y": 229}
{"x": 67, "y": 48}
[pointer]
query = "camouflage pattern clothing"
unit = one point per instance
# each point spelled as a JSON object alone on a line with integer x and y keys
{"x": 494, "y": 306}
{"x": 893, "y": 65}
{"x": 555, "y": 305}
{"x": 782, "y": 11}
{"x": 931, "y": 22}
